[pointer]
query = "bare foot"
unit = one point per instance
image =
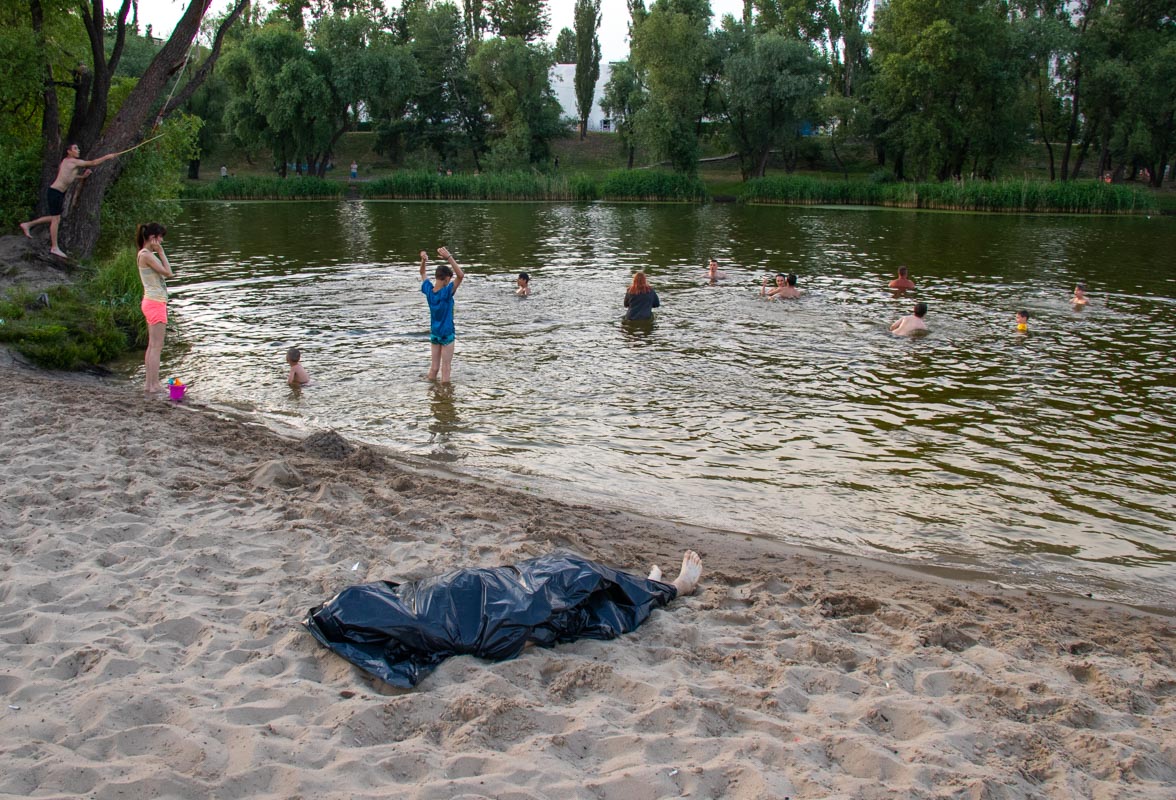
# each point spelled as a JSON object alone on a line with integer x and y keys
{"x": 687, "y": 580}
{"x": 24, "y": 226}
{"x": 655, "y": 574}
{"x": 54, "y": 251}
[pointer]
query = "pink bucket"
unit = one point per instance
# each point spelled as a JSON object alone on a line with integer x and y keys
{"x": 177, "y": 391}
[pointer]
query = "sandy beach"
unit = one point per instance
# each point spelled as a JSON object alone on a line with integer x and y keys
{"x": 158, "y": 559}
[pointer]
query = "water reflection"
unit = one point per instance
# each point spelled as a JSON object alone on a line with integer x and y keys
{"x": 1046, "y": 453}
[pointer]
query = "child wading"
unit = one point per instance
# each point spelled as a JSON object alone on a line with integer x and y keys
{"x": 440, "y": 297}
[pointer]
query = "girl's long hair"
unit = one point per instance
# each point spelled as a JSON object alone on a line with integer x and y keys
{"x": 146, "y": 230}
{"x": 639, "y": 284}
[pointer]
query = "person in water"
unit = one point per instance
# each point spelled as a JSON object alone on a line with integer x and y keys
{"x": 903, "y": 282}
{"x": 68, "y": 172}
{"x": 641, "y": 299}
{"x": 912, "y": 322}
{"x": 785, "y": 287}
{"x": 440, "y": 298}
{"x": 712, "y": 272}
{"x": 298, "y": 375}
{"x": 524, "y": 284}
{"x": 1080, "y": 298}
{"x": 1022, "y": 320}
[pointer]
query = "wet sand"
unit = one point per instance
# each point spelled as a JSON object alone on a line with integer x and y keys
{"x": 157, "y": 560}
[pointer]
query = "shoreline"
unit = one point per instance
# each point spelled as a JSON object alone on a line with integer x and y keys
{"x": 963, "y": 576}
{"x": 158, "y": 560}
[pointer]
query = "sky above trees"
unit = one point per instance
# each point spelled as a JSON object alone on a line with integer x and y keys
{"x": 614, "y": 25}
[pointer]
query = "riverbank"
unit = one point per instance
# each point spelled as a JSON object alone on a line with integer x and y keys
{"x": 158, "y": 560}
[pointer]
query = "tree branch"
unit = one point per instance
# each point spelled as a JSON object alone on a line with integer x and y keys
{"x": 209, "y": 63}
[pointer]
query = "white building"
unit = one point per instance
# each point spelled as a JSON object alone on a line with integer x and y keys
{"x": 563, "y": 83}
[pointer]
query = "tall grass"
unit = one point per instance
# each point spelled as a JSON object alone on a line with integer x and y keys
{"x": 426, "y": 185}
{"x": 618, "y": 185}
{"x": 256, "y": 188}
{"x": 1081, "y": 197}
{"x": 89, "y": 322}
{"x": 628, "y": 184}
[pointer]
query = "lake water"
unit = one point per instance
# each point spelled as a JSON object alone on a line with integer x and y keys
{"x": 1044, "y": 458}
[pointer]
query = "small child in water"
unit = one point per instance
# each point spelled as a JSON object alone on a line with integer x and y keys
{"x": 1022, "y": 320}
{"x": 912, "y": 322}
{"x": 1080, "y": 298}
{"x": 524, "y": 283}
{"x": 298, "y": 375}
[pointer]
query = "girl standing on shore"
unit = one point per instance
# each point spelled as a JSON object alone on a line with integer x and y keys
{"x": 153, "y": 268}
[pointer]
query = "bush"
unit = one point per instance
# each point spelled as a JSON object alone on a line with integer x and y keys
{"x": 20, "y": 167}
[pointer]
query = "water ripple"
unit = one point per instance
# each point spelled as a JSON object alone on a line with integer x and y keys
{"x": 1046, "y": 455}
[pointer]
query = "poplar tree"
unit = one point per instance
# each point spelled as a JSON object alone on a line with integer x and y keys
{"x": 587, "y": 58}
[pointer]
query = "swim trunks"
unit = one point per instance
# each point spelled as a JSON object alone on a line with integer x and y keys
{"x": 56, "y": 202}
{"x": 154, "y": 311}
{"x": 441, "y": 340}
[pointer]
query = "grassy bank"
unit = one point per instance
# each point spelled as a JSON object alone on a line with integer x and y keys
{"x": 92, "y": 321}
{"x": 260, "y": 188}
{"x": 646, "y": 185}
{"x": 1085, "y": 197}
{"x": 425, "y": 185}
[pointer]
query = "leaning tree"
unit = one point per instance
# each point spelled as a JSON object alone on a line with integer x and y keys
{"x": 143, "y": 108}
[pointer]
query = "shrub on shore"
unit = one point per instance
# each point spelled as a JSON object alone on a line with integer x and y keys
{"x": 629, "y": 184}
{"x": 89, "y": 322}
{"x": 1085, "y": 197}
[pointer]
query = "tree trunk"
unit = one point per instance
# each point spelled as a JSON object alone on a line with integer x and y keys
{"x": 632, "y": 151}
{"x": 81, "y": 226}
{"x": 761, "y": 165}
{"x": 194, "y": 169}
{"x": 1041, "y": 120}
{"x": 1075, "y": 97}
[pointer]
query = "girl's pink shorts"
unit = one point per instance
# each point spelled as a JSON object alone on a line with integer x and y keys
{"x": 154, "y": 311}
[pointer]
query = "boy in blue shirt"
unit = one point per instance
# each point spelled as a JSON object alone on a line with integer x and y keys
{"x": 440, "y": 297}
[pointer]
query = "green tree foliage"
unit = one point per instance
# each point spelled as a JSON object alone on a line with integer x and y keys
{"x": 565, "y": 47}
{"x": 445, "y": 114}
{"x": 587, "y": 46}
{"x": 151, "y": 181}
{"x": 623, "y": 99}
{"x": 949, "y": 83}
{"x": 364, "y": 69}
{"x": 280, "y": 94}
{"x": 673, "y": 52}
{"x": 770, "y": 88}
{"x": 528, "y": 20}
{"x": 525, "y": 115}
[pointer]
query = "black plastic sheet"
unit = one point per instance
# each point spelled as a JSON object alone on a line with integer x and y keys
{"x": 401, "y": 632}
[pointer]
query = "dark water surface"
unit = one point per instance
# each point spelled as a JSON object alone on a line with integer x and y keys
{"x": 1045, "y": 458}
